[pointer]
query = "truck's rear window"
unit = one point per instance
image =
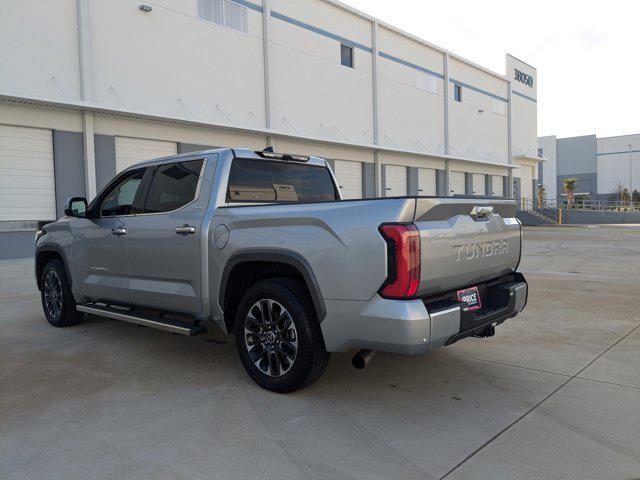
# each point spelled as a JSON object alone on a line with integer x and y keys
{"x": 267, "y": 181}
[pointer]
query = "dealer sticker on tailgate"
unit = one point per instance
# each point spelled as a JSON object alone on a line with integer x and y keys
{"x": 471, "y": 297}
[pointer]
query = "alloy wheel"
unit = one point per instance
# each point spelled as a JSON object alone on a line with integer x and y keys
{"x": 271, "y": 337}
{"x": 53, "y": 294}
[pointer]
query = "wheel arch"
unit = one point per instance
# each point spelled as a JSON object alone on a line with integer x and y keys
{"x": 46, "y": 253}
{"x": 248, "y": 267}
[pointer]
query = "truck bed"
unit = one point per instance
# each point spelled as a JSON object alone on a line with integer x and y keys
{"x": 346, "y": 251}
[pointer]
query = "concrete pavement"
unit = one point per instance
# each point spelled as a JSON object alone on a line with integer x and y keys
{"x": 555, "y": 394}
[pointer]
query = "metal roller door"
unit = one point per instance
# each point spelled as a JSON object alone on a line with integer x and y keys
{"x": 396, "y": 181}
{"x": 427, "y": 182}
{"x": 478, "y": 184}
{"x": 134, "y": 150}
{"x": 27, "y": 184}
{"x": 497, "y": 185}
{"x": 349, "y": 176}
{"x": 457, "y": 180}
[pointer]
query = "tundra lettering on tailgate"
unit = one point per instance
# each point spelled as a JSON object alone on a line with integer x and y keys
{"x": 473, "y": 251}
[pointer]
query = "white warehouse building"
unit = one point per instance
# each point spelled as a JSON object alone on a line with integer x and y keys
{"x": 89, "y": 87}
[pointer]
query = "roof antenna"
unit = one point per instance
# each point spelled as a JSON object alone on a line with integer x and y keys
{"x": 268, "y": 150}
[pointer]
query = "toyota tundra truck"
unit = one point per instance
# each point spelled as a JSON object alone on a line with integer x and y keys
{"x": 263, "y": 245}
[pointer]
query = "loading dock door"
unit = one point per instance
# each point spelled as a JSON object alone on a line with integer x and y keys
{"x": 396, "y": 181}
{"x": 497, "y": 185}
{"x": 349, "y": 176}
{"x": 478, "y": 184}
{"x": 134, "y": 150}
{"x": 27, "y": 185}
{"x": 426, "y": 182}
{"x": 457, "y": 180}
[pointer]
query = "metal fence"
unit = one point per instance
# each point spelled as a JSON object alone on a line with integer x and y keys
{"x": 549, "y": 211}
{"x": 528, "y": 204}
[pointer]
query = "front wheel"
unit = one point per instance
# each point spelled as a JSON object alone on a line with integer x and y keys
{"x": 57, "y": 300}
{"x": 278, "y": 336}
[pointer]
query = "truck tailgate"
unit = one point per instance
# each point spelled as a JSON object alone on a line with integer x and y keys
{"x": 465, "y": 241}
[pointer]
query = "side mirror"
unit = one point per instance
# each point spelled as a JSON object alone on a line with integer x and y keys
{"x": 76, "y": 207}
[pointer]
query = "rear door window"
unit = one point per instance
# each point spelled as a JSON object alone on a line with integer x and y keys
{"x": 173, "y": 186}
{"x": 266, "y": 181}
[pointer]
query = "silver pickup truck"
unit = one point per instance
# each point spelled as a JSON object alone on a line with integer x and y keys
{"x": 263, "y": 245}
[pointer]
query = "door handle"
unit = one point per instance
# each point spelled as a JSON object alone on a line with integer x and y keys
{"x": 118, "y": 231}
{"x": 185, "y": 230}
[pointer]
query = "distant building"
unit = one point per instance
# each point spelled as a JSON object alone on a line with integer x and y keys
{"x": 600, "y": 165}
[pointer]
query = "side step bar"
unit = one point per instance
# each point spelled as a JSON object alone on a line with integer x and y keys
{"x": 173, "y": 326}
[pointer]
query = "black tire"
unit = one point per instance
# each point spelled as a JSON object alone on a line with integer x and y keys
{"x": 311, "y": 357}
{"x": 57, "y": 300}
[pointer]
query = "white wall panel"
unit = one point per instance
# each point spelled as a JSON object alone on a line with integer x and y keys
{"x": 525, "y": 126}
{"x": 613, "y": 162}
{"x": 477, "y": 131}
{"x": 613, "y": 170}
{"x": 130, "y": 127}
{"x": 349, "y": 176}
{"x": 526, "y": 182}
{"x": 312, "y": 93}
{"x": 549, "y": 168}
{"x": 327, "y": 17}
{"x": 415, "y": 161}
{"x": 478, "y": 168}
{"x": 412, "y": 118}
{"x": 392, "y": 43}
{"x": 523, "y": 106}
{"x": 39, "y": 48}
{"x": 27, "y": 186}
{"x": 134, "y": 150}
{"x": 170, "y": 62}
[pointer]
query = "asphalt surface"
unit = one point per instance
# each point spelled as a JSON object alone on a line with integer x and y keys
{"x": 555, "y": 394}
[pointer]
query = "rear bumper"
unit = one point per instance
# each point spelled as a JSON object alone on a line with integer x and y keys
{"x": 416, "y": 326}
{"x": 504, "y": 299}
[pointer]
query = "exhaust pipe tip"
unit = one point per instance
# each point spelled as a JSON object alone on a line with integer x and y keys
{"x": 362, "y": 358}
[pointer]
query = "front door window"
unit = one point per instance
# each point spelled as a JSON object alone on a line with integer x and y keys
{"x": 121, "y": 199}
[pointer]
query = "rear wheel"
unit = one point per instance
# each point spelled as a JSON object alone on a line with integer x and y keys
{"x": 57, "y": 300}
{"x": 278, "y": 336}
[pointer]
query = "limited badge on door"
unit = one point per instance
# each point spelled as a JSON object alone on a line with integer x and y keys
{"x": 471, "y": 297}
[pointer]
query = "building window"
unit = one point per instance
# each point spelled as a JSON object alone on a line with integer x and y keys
{"x": 427, "y": 82}
{"x": 225, "y": 13}
{"x": 457, "y": 93}
{"x": 346, "y": 55}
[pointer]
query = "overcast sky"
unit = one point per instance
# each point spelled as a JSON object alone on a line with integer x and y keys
{"x": 587, "y": 52}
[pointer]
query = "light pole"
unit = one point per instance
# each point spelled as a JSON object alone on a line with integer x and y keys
{"x": 630, "y": 179}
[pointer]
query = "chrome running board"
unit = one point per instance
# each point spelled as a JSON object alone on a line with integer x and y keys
{"x": 157, "y": 322}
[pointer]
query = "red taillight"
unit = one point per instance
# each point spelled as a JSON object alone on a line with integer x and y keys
{"x": 403, "y": 250}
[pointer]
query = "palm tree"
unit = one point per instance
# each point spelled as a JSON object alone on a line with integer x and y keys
{"x": 542, "y": 196}
{"x": 569, "y": 188}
